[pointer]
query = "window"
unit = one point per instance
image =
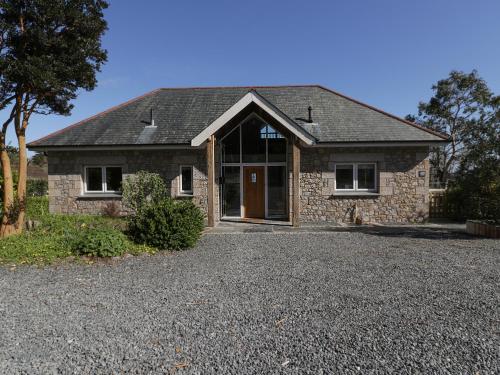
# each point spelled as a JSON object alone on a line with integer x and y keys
{"x": 186, "y": 180}
{"x": 103, "y": 179}
{"x": 254, "y": 145}
{"x": 344, "y": 177}
{"x": 366, "y": 177}
{"x": 355, "y": 177}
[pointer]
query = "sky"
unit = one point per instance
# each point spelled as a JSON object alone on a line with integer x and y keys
{"x": 387, "y": 53}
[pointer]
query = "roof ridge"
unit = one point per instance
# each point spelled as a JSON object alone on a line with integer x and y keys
{"x": 85, "y": 120}
{"x": 440, "y": 135}
{"x": 238, "y": 87}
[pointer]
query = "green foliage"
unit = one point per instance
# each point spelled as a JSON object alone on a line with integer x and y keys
{"x": 476, "y": 194}
{"x": 37, "y": 208}
{"x": 98, "y": 242}
{"x": 36, "y": 188}
{"x": 55, "y": 236}
{"x": 38, "y": 159}
{"x": 167, "y": 224}
{"x": 33, "y": 247}
{"x": 463, "y": 108}
{"x": 50, "y": 50}
{"x": 142, "y": 189}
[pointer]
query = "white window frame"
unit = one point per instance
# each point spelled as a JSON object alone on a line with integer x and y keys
{"x": 104, "y": 189}
{"x": 355, "y": 177}
{"x": 181, "y": 190}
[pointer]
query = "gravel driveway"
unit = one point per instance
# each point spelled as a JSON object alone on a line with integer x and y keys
{"x": 290, "y": 303}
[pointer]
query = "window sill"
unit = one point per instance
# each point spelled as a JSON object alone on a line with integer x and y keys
{"x": 185, "y": 195}
{"x": 100, "y": 196}
{"x": 356, "y": 194}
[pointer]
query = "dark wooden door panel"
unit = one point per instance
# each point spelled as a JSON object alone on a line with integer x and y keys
{"x": 254, "y": 192}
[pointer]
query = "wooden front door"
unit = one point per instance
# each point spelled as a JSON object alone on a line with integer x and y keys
{"x": 253, "y": 192}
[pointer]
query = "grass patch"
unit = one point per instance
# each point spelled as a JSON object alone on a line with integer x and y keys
{"x": 54, "y": 236}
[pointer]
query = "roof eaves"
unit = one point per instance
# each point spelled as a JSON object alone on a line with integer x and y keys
{"x": 114, "y": 108}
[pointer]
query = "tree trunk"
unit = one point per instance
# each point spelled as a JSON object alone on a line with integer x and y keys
{"x": 7, "y": 226}
{"x": 23, "y": 176}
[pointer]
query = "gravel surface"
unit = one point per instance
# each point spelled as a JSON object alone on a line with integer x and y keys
{"x": 290, "y": 303}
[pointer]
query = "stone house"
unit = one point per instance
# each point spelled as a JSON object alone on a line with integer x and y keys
{"x": 299, "y": 154}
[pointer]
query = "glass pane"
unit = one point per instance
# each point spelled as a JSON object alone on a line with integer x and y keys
{"x": 113, "y": 178}
{"x": 231, "y": 191}
{"x": 254, "y": 146}
{"x": 94, "y": 179}
{"x": 276, "y": 191}
{"x": 276, "y": 149}
{"x": 366, "y": 176}
{"x": 344, "y": 176}
{"x": 276, "y": 146}
{"x": 187, "y": 179}
{"x": 231, "y": 147}
{"x": 267, "y": 131}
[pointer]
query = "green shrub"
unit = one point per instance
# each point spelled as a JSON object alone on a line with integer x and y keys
{"x": 37, "y": 207}
{"x": 98, "y": 242}
{"x": 167, "y": 224}
{"x": 33, "y": 247}
{"x": 36, "y": 188}
{"x": 56, "y": 236}
{"x": 143, "y": 188}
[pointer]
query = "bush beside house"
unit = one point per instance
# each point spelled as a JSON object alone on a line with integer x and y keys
{"x": 156, "y": 222}
{"x": 59, "y": 236}
{"x": 167, "y": 224}
{"x": 156, "y": 219}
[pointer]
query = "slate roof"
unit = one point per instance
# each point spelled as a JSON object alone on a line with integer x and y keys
{"x": 181, "y": 113}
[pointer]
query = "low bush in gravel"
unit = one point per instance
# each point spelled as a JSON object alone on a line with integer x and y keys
{"x": 156, "y": 219}
{"x": 99, "y": 242}
{"x": 168, "y": 224}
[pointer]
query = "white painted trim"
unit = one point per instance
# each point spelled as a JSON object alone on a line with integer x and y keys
{"x": 181, "y": 191}
{"x": 237, "y": 108}
{"x": 355, "y": 177}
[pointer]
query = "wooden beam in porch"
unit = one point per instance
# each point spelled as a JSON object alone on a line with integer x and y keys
{"x": 211, "y": 181}
{"x": 296, "y": 183}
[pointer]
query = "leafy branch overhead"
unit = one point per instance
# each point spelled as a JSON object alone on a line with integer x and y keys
{"x": 49, "y": 50}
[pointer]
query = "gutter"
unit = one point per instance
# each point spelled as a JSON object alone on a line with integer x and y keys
{"x": 111, "y": 147}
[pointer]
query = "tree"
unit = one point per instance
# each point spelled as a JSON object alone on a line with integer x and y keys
{"x": 38, "y": 159}
{"x": 462, "y": 107}
{"x": 49, "y": 49}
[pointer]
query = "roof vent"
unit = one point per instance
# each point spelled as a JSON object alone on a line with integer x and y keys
{"x": 307, "y": 121}
{"x": 152, "y": 120}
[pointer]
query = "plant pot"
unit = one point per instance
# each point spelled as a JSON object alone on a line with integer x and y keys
{"x": 483, "y": 229}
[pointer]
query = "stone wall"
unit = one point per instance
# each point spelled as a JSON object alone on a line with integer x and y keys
{"x": 402, "y": 195}
{"x": 66, "y": 170}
